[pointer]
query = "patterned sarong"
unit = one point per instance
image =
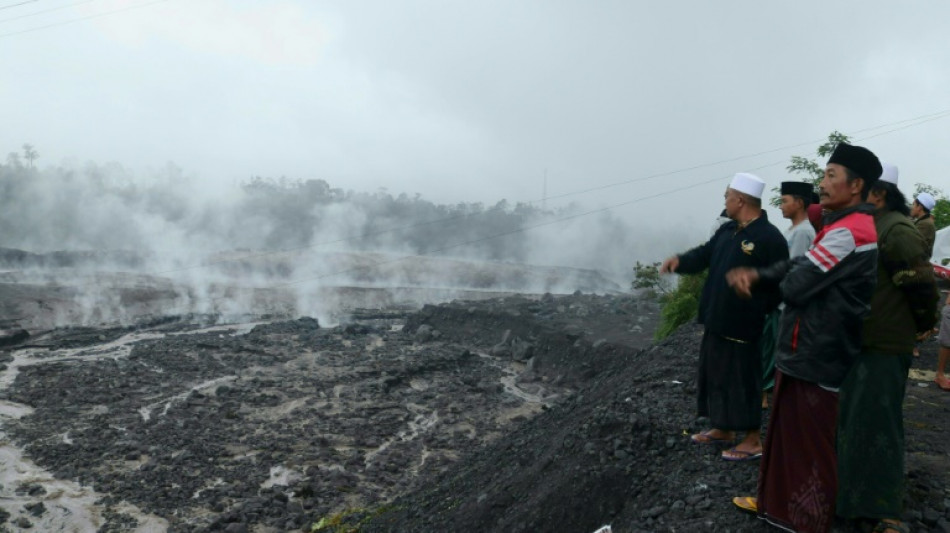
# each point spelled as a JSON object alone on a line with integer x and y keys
{"x": 871, "y": 437}
{"x": 798, "y": 473}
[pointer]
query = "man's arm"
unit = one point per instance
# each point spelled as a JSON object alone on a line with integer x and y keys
{"x": 692, "y": 261}
{"x": 904, "y": 260}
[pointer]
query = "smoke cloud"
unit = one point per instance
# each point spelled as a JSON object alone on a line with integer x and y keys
{"x": 281, "y": 245}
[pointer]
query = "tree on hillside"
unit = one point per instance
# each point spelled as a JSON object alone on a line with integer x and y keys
{"x": 812, "y": 169}
{"x": 29, "y": 153}
{"x": 941, "y": 210}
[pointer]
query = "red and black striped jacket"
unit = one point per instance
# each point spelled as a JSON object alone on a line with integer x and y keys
{"x": 827, "y": 293}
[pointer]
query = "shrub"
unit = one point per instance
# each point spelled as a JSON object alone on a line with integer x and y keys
{"x": 680, "y": 305}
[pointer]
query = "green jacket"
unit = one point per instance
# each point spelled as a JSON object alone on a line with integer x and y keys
{"x": 905, "y": 298}
{"x": 928, "y": 231}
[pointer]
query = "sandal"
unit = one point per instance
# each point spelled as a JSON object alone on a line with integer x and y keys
{"x": 706, "y": 438}
{"x": 944, "y": 383}
{"x": 746, "y": 503}
{"x": 885, "y": 526}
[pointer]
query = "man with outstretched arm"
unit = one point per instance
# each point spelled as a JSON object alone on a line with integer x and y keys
{"x": 827, "y": 293}
{"x": 729, "y": 385}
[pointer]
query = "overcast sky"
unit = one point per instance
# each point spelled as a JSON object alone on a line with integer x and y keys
{"x": 479, "y": 100}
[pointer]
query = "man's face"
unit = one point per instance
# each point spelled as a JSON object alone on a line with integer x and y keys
{"x": 733, "y": 203}
{"x": 790, "y": 206}
{"x": 835, "y": 191}
{"x": 916, "y": 210}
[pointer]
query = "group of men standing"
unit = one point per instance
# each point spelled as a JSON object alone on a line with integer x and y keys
{"x": 838, "y": 312}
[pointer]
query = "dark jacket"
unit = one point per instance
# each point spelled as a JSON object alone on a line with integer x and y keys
{"x": 928, "y": 230}
{"x": 721, "y": 311}
{"x": 905, "y": 299}
{"x": 827, "y": 293}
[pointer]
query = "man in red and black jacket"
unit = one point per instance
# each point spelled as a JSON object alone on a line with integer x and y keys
{"x": 827, "y": 294}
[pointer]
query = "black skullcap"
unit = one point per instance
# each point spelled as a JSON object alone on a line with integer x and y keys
{"x": 798, "y": 188}
{"x": 859, "y": 160}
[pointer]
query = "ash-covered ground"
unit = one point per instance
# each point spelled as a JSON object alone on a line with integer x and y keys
{"x": 521, "y": 413}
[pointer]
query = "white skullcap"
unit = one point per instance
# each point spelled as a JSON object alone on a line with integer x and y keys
{"x": 889, "y": 174}
{"x": 927, "y": 200}
{"x": 748, "y": 183}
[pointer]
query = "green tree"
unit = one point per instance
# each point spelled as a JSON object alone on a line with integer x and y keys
{"x": 812, "y": 169}
{"x": 647, "y": 276}
{"x": 941, "y": 210}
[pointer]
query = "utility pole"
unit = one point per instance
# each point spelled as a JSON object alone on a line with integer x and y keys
{"x": 544, "y": 192}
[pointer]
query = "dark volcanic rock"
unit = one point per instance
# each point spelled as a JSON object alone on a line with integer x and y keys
{"x": 575, "y": 421}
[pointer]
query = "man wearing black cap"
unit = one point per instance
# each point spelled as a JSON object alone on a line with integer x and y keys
{"x": 795, "y": 199}
{"x": 826, "y": 292}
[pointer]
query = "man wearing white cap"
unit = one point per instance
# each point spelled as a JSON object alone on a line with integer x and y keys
{"x": 920, "y": 211}
{"x": 730, "y": 367}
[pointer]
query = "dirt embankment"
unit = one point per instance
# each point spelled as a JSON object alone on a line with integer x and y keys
{"x": 617, "y": 452}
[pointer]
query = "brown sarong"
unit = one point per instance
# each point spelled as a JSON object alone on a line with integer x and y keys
{"x": 798, "y": 476}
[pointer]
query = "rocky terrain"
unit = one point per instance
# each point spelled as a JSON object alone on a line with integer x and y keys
{"x": 520, "y": 413}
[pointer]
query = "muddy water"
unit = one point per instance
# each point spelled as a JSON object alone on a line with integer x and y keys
{"x": 33, "y": 497}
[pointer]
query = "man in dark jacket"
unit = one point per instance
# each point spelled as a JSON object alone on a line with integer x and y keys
{"x": 827, "y": 293}
{"x": 730, "y": 367}
{"x": 871, "y": 421}
{"x": 924, "y": 221}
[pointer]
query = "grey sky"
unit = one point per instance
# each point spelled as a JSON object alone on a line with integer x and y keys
{"x": 474, "y": 101}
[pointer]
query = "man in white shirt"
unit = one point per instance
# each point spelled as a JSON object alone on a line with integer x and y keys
{"x": 796, "y": 197}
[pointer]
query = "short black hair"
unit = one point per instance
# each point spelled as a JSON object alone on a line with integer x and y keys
{"x": 851, "y": 175}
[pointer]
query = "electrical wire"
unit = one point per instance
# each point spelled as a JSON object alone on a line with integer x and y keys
{"x": 81, "y": 19}
{"x": 35, "y": 13}
{"x": 904, "y": 125}
{"x": 17, "y": 5}
{"x": 522, "y": 229}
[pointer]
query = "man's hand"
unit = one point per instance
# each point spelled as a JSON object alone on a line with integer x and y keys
{"x": 670, "y": 265}
{"x": 742, "y": 279}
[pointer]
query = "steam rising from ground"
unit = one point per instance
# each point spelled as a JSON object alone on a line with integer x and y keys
{"x": 280, "y": 245}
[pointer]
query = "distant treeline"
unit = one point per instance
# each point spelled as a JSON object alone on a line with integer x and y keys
{"x": 102, "y": 207}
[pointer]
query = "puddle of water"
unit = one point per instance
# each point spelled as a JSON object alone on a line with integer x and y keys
{"x": 283, "y": 476}
{"x": 14, "y": 410}
{"x": 70, "y": 508}
{"x": 418, "y": 425}
{"x": 146, "y": 411}
{"x": 509, "y": 381}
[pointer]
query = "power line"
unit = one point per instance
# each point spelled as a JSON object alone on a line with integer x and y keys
{"x": 920, "y": 120}
{"x": 81, "y": 19}
{"x": 16, "y": 5}
{"x": 930, "y": 116}
{"x": 35, "y": 13}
